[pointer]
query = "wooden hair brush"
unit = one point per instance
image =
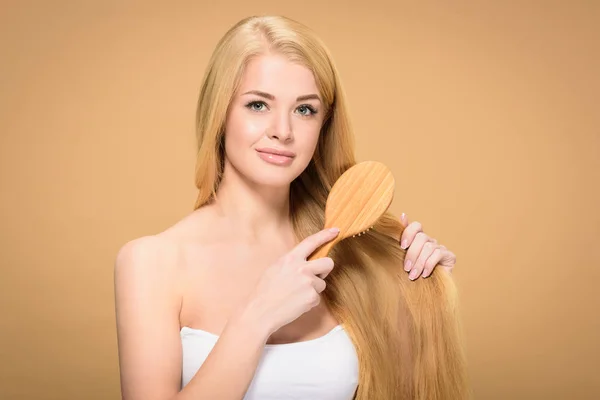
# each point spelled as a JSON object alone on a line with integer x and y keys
{"x": 360, "y": 196}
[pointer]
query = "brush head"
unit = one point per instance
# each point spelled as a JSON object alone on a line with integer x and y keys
{"x": 360, "y": 196}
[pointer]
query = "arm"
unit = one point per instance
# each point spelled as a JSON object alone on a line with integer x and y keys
{"x": 148, "y": 303}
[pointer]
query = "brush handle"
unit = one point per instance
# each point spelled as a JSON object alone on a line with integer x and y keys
{"x": 323, "y": 250}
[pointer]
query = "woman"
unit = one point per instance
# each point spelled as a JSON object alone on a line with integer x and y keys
{"x": 224, "y": 305}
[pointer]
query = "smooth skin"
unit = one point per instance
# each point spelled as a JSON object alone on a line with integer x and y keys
{"x": 233, "y": 267}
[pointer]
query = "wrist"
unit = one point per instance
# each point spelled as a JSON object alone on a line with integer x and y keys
{"x": 250, "y": 320}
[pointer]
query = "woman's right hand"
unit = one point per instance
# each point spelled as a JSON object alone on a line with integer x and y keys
{"x": 292, "y": 286}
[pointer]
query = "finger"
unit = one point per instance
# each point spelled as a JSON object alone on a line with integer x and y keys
{"x": 414, "y": 251}
{"x": 409, "y": 234}
{"x": 448, "y": 260}
{"x": 320, "y": 267}
{"x": 313, "y": 242}
{"x": 319, "y": 284}
{"x": 432, "y": 262}
{"x": 404, "y": 220}
{"x": 426, "y": 252}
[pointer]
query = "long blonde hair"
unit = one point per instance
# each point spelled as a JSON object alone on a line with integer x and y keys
{"x": 406, "y": 333}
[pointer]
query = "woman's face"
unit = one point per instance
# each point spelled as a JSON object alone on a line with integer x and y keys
{"x": 274, "y": 121}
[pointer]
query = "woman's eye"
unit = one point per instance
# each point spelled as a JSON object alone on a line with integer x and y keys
{"x": 306, "y": 110}
{"x": 256, "y": 106}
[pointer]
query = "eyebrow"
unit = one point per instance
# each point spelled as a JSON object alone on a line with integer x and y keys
{"x": 271, "y": 97}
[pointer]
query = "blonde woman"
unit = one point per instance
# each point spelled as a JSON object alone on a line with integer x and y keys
{"x": 224, "y": 305}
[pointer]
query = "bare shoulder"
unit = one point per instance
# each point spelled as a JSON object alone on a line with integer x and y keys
{"x": 145, "y": 253}
{"x": 159, "y": 256}
{"x": 148, "y": 260}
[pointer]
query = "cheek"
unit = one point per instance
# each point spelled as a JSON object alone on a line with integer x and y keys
{"x": 241, "y": 127}
{"x": 308, "y": 138}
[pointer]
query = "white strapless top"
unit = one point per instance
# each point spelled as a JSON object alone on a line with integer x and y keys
{"x": 325, "y": 368}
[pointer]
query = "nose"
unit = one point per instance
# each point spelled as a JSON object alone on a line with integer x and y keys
{"x": 281, "y": 127}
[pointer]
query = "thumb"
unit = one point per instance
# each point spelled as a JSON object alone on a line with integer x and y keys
{"x": 311, "y": 243}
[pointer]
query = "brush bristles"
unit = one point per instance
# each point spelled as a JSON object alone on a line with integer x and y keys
{"x": 363, "y": 232}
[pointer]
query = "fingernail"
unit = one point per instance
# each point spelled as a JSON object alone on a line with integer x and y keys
{"x": 334, "y": 230}
{"x": 407, "y": 265}
{"x": 413, "y": 274}
{"x": 404, "y": 244}
{"x": 403, "y": 217}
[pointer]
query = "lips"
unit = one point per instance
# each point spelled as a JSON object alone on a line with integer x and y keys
{"x": 276, "y": 156}
{"x": 277, "y": 152}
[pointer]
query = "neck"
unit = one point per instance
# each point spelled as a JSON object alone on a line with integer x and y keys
{"x": 250, "y": 211}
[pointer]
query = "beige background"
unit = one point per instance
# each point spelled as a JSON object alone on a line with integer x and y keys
{"x": 487, "y": 112}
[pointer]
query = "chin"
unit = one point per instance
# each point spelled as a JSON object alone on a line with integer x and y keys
{"x": 273, "y": 177}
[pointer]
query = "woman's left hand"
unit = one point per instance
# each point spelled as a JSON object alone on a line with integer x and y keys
{"x": 424, "y": 254}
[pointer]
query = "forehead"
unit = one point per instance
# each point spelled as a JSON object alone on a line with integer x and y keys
{"x": 276, "y": 74}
